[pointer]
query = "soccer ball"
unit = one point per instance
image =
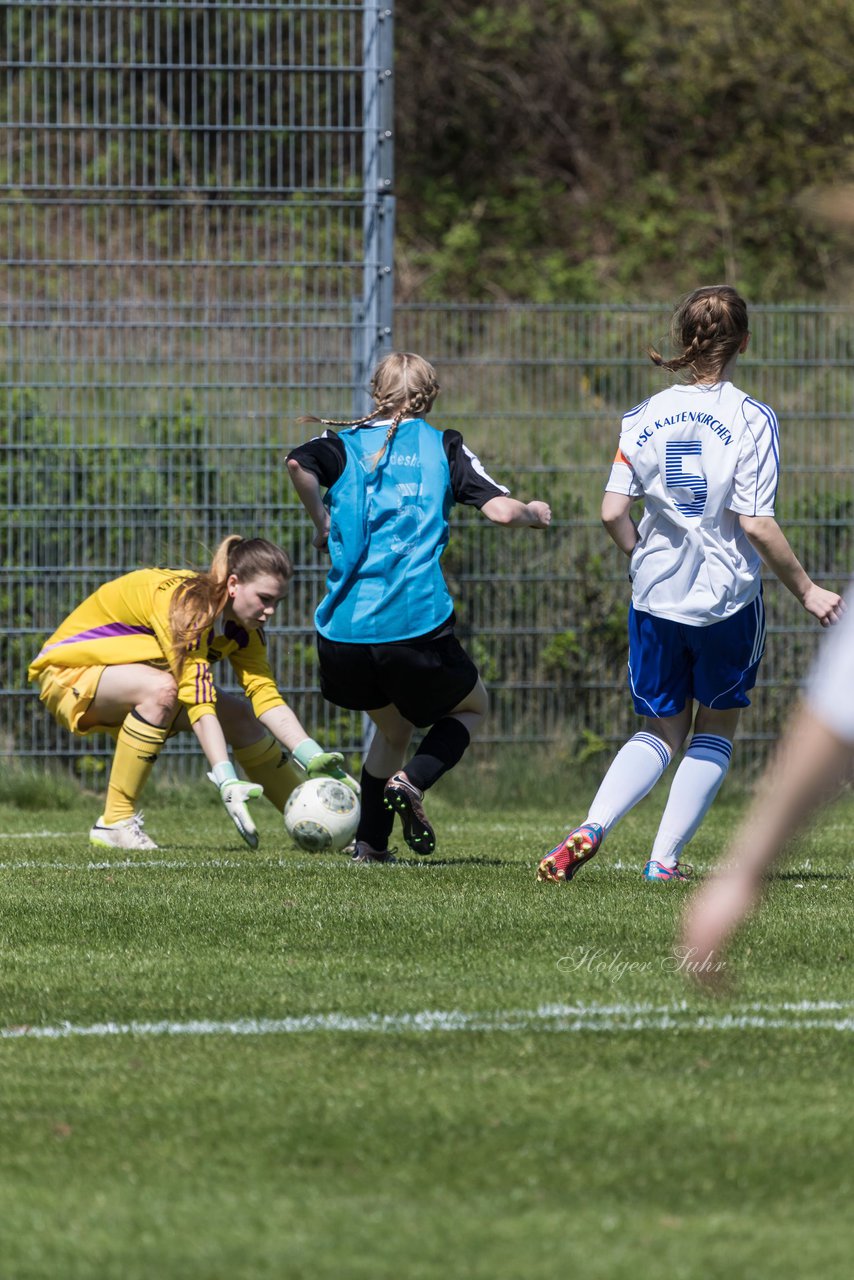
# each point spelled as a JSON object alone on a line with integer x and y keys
{"x": 322, "y": 814}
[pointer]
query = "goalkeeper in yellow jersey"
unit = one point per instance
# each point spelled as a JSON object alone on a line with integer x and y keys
{"x": 135, "y": 659}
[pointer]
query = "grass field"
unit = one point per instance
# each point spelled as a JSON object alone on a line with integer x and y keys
{"x": 229, "y": 1065}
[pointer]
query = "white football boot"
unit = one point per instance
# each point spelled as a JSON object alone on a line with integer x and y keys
{"x": 127, "y": 834}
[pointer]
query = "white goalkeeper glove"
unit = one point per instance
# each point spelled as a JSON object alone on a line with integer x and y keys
{"x": 313, "y": 761}
{"x": 233, "y": 793}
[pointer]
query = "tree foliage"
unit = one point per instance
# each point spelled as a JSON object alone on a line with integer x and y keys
{"x": 547, "y": 150}
{"x": 577, "y": 151}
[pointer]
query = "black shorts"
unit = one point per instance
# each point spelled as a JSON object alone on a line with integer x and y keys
{"x": 424, "y": 678}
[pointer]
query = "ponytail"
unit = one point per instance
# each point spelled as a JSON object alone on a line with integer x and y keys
{"x": 201, "y": 598}
{"x": 376, "y": 458}
{"x": 709, "y": 325}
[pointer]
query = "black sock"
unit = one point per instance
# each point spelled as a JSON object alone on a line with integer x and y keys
{"x": 443, "y": 747}
{"x": 375, "y": 821}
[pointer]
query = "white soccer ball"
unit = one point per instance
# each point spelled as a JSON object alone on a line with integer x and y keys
{"x": 322, "y": 814}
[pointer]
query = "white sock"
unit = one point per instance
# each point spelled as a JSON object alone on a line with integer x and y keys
{"x": 634, "y": 771}
{"x": 694, "y": 787}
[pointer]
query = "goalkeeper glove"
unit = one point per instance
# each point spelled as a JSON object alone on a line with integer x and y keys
{"x": 233, "y": 793}
{"x": 310, "y": 757}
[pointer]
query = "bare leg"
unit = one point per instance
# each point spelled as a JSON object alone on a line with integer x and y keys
{"x": 473, "y": 709}
{"x": 390, "y": 743}
{"x": 673, "y": 730}
{"x": 721, "y": 723}
{"x": 441, "y": 748}
{"x": 141, "y": 701}
{"x": 136, "y": 687}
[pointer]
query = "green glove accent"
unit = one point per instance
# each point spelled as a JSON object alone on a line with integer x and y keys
{"x": 315, "y": 762}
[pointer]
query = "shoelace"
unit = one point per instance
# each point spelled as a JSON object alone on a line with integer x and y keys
{"x": 682, "y": 869}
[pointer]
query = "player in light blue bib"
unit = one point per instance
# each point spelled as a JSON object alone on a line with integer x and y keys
{"x": 385, "y": 628}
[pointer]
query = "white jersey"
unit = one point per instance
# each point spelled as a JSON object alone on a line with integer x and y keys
{"x": 699, "y": 456}
{"x": 830, "y": 688}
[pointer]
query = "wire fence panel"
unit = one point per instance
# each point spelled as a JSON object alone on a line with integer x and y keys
{"x": 189, "y": 265}
{"x": 197, "y": 208}
{"x": 538, "y": 392}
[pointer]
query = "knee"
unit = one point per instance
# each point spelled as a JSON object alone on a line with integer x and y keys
{"x": 481, "y": 703}
{"x": 398, "y": 740}
{"x": 161, "y": 698}
{"x": 476, "y": 704}
{"x": 672, "y": 731}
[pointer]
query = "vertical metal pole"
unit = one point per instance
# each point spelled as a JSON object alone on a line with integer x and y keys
{"x": 373, "y": 333}
{"x": 373, "y": 336}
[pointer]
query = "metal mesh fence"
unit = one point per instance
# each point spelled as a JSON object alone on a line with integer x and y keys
{"x": 538, "y": 392}
{"x": 191, "y": 199}
{"x": 197, "y": 215}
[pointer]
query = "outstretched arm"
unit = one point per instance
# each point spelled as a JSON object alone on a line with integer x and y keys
{"x": 772, "y": 545}
{"x": 308, "y": 757}
{"x": 211, "y": 739}
{"x": 516, "y": 514}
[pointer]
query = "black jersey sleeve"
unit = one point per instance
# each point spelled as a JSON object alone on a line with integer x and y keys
{"x": 470, "y": 481}
{"x": 324, "y": 457}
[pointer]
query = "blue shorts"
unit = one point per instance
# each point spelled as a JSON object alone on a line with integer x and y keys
{"x": 671, "y": 663}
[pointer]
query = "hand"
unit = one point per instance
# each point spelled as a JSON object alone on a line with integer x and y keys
{"x": 542, "y": 514}
{"x": 234, "y": 794}
{"x": 309, "y": 756}
{"x": 827, "y": 606}
{"x": 708, "y": 922}
{"x": 321, "y": 538}
{"x": 330, "y": 764}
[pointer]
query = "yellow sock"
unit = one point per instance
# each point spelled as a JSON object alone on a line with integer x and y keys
{"x": 265, "y": 762}
{"x": 138, "y": 745}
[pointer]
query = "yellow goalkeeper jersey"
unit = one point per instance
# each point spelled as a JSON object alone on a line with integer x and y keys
{"x": 127, "y": 620}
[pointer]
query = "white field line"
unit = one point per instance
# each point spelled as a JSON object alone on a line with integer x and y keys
{"x": 143, "y": 864}
{"x": 179, "y": 864}
{"x": 316, "y": 860}
{"x": 805, "y": 1015}
{"x": 37, "y": 835}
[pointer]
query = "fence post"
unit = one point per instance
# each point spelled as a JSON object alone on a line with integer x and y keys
{"x": 374, "y": 335}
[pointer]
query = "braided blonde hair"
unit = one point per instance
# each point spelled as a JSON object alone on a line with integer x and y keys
{"x": 710, "y": 326}
{"x": 404, "y": 385}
